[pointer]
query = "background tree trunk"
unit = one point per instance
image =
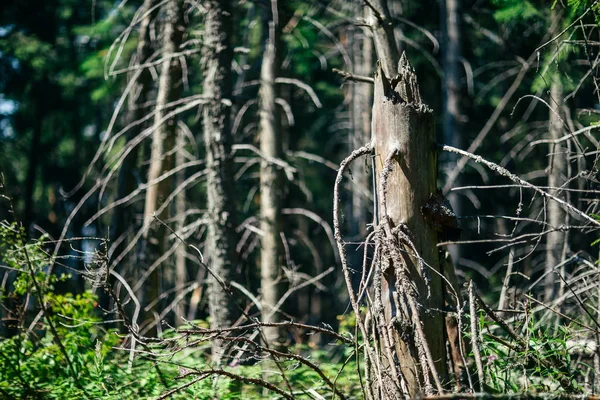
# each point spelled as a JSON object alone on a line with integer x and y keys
{"x": 217, "y": 55}
{"x": 453, "y": 96}
{"x": 557, "y": 176}
{"x": 122, "y": 216}
{"x": 163, "y": 142}
{"x": 557, "y": 173}
{"x": 180, "y": 251}
{"x": 361, "y": 47}
{"x": 271, "y": 181}
{"x": 452, "y": 93}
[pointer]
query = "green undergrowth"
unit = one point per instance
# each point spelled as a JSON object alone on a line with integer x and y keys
{"x": 67, "y": 352}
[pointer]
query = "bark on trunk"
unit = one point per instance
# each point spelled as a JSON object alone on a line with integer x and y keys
{"x": 452, "y": 123}
{"x": 163, "y": 142}
{"x": 362, "y": 98}
{"x": 452, "y": 92}
{"x": 403, "y": 124}
{"x": 217, "y": 55}
{"x": 380, "y": 21}
{"x": 556, "y": 178}
{"x": 403, "y": 128}
{"x": 451, "y": 88}
{"x": 271, "y": 183}
{"x": 180, "y": 251}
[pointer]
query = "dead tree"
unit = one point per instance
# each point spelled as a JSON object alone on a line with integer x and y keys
{"x": 271, "y": 180}
{"x": 405, "y": 308}
{"x": 217, "y": 54}
{"x": 403, "y": 130}
{"x": 405, "y": 160}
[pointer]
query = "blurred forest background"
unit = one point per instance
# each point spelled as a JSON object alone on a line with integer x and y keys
{"x": 170, "y": 165}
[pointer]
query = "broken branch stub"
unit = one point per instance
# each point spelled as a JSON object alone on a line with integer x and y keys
{"x": 403, "y": 125}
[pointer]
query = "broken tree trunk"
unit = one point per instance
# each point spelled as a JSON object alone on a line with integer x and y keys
{"x": 403, "y": 130}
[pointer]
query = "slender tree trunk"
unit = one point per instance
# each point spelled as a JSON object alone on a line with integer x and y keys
{"x": 34, "y": 156}
{"x": 381, "y": 24}
{"x": 122, "y": 216}
{"x": 362, "y": 98}
{"x": 452, "y": 92}
{"x": 271, "y": 182}
{"x": 217, "y": 55}
{"x": 163, "y": 141}
{"x": 557, "y": 174}
{"x": 451, "y": 88}
{"x": 452, "y": 126}
{"x": 556, "y": 178}
{"x": 180, "y": 251}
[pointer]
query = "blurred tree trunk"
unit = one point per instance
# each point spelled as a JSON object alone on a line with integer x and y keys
{"x": 163, "y": 142}
{"x": 271, "y": 180}
{"x": 33, "y": 161}
{"x": 180, "y": 251}
{"x": 452, "y": 93}
{"x": 453, "y": 96}
{"x": 217, "y": 54}
{"x": 127, "y": 181}
{"x": 397, "y": 9}
{"x": 557, "y": 176}
{"x": 361, "y": 48}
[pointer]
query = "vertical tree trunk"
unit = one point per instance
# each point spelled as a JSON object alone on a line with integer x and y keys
{"x": 452, "y": 126}
{"x": 362, "y": 98}
{"x": 122, "y": 216}
{"x": 34, "y": 151}
{"x": 271, "y": 182}
{"x": 556, "y": 178}
{"x": 163, "y": 141}
{"x": 403, "y": 130}
{"x": 180, "y": 251}
{"x": 381, "y": 24}
{"x": 452, "y": 92}
{"x": 403, "y": 124}
{"x": 217, "y": 55}
{"x": 451, "y": 86}
{"x": 557, "y": 173}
